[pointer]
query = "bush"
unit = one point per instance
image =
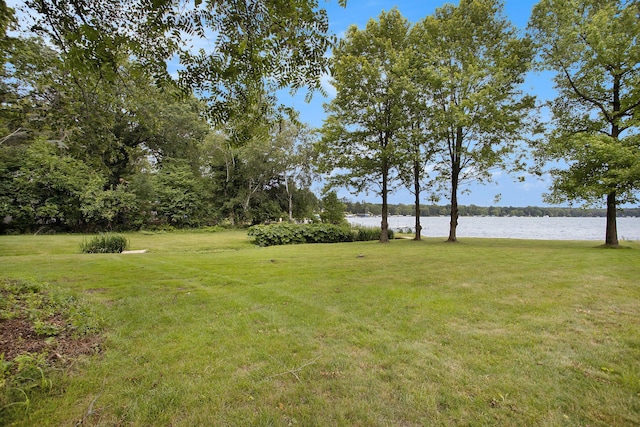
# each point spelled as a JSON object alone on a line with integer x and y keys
{"x": 105, "y": 244}
{"x": 287, "y": 234}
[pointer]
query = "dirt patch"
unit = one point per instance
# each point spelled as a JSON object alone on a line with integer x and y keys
{"x": 17, "y": 336}
{"x": 36, "y": 318}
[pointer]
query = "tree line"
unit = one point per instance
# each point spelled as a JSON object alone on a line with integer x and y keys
{"x": 97, "y": 133}
{"x": 375, "y": 209}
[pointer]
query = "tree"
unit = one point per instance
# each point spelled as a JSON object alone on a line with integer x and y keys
{"x": 418, "y": 146}
{"x": 473, "y": 62}
{"x": 332, "y": 209}
{"x": 7, "y": 21}
{"x": 305, "y": 204}
{"x": 257, "y": 46}
{"x": 295, "y": 143}
{"x": 593, "y": 48}
{"x": 179, "y": 193}
{"x": 361, "y": 136}
{"x": 48, "y": 189}
{"x": 111, "y": 127}
{"x": 267, "y": 166}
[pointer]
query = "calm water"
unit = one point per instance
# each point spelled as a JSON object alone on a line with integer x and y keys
{"x": 513, "y": 227}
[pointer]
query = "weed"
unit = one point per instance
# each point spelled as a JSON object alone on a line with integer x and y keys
{"x": 19, "y": 376}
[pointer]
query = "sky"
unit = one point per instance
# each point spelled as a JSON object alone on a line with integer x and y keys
{"x": 359, "y": 12}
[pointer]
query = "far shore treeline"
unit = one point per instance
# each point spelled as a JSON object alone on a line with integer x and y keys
{"x": 375, "y": 209}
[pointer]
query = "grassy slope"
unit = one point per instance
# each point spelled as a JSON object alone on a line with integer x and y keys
{"x": 206, "y": 329}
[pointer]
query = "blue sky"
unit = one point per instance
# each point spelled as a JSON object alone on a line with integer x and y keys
{"x": 358, "y": 12}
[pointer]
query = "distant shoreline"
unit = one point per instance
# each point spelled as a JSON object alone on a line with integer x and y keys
{"x": 365, "y": 209}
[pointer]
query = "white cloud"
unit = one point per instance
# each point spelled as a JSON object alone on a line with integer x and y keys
{"x": 325, "y": 81}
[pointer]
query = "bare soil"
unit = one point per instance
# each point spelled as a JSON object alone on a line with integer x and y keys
{"x": 17, "y": 336}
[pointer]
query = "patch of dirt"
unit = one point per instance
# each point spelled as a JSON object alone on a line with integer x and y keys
{"x": 17, "y": 336}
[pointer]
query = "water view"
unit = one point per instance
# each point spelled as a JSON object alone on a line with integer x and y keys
{"x": 541, "y": 228}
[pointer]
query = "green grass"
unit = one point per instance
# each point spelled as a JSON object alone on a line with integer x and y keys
{"x": 206, "y": 329}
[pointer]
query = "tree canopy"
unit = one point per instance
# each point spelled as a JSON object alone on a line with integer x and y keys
{"x": 252, "y": 47}
{"x": 446, "y": 90}
{"x": 127, "y": 141}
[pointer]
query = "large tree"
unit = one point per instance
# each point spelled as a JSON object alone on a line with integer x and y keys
{"x": 111, "y": 129}
{"x": 473, "y": 63}
{"x": 362, "y": 134}
{"x": 110, "y": 126}
{"x": 592, "y": 45}
{"x": 253, "y": 48}
{"x": 419, "y": 147}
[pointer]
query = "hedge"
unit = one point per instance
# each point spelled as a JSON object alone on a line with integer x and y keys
{"x": 287, "y": 234}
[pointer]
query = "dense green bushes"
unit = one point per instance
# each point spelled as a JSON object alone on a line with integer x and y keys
{"x": 105, "y": 244}
{"x": 286, "y": 234}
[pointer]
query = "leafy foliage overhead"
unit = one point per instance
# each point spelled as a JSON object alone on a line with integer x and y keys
{"x": 252, "y": 47}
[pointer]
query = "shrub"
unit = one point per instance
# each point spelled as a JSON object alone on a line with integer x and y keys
{"x": 286, "y": 234}
{"x": 105, "y": 244}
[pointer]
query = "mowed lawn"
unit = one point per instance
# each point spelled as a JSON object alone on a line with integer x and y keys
{"x": 206, "y": 329}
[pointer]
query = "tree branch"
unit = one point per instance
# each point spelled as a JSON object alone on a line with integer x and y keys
{"x": 585, "y": 97}
{"x": 11, "y": 135}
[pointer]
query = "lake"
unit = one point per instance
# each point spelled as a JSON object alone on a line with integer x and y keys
{"x": 541, "y": 228}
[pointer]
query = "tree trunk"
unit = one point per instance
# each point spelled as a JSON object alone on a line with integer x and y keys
{"x": 416, "y": 188}
{"x": 453, "y": 224}
{"x": 290, "y": 207}
{"x": 611, "y": 234}
{"x": 290, "y": 198}
{"x": 384, "y": 234}
{"x": 455, "y": 178}
{"x": 611, "y": 237}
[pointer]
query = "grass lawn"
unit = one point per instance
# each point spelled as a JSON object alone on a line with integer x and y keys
{"x": 207, "y": 329}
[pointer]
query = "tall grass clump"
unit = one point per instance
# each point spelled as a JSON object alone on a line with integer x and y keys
{"x": 365, "y": 234}
{"x": 105, "y": 243}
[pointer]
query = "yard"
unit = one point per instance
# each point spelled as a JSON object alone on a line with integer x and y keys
{"x": 208, "y": 329}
